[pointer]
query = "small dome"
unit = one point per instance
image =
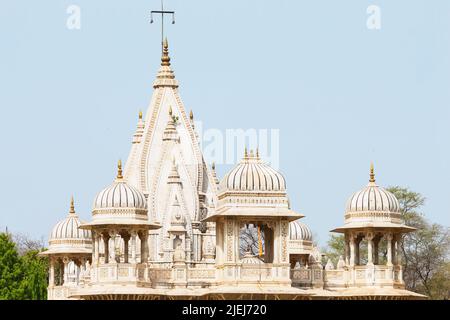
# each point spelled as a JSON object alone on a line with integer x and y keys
{"x": 249, "y": 258}
{"x": 372, "y": 198}
{"x": 251, "y": 174}
{"x": 299, "y": 231}
{"x": 68, "y": 229}
{"x": 66, "y": 236}
{"x": 120, "y": 195}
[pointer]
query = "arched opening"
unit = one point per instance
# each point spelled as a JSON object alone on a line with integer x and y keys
{"x": 256, "y": 239}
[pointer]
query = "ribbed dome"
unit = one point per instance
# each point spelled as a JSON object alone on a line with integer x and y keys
{"x": 299, "y": 231}
{"x": 251, "y": 174}
{"x": 120, "y": 195}
{"x": 373, "y": 198}
{"x": 68, "y": 229}
{"x": 67, "y": 237}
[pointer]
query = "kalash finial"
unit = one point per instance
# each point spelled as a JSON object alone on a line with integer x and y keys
{"x": 140, "y": 114}
{"x": 72, "y": 206}
{"x": 165, "y": 59}
{"x": 170, "y": 110}
{"x": 245, "y": 153}
{"x": 119, "y": 170}
{"x": 191, "y": 115}
{"x": 372, "y": 173}
{"x": 213, "y": 166}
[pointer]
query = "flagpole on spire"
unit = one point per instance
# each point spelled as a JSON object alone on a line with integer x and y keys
{"x": 162, "y": 12}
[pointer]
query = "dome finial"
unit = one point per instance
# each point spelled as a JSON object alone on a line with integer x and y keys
{"x": 372, "y": 173}
{"x": 170, "y": 110}
{"x": 257, "y": 153}
{"x": 119, "y": 170}
{"x": 72, "y": 206}
{"x": 140, "y": 114}
{"x": 165, "y": 59}
{"x": 213, "y": 166}
{"x": 191, "y": 115}
{"x": 245, "y": 153}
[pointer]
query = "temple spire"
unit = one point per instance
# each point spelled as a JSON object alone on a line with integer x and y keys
{"x": 372, "y": 173}
{"x": 165, "y": 77}
{"x": 165, "y": 59}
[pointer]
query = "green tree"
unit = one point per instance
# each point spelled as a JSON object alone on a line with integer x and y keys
{"x": 335, "y": 248}
{"x": 35, "y": 280}
{"x": 22, "y": 277}
{"x": 11, "y": 271}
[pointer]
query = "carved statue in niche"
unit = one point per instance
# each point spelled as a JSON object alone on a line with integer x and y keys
{"x": 179, "y": 254}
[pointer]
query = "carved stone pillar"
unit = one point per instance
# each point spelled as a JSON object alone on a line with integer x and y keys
{"x": 51, "y": 278}
{"x": 389, "y": 239}
{"x": 133, "y": 246}
{"x": 369, "y": 237}
{"x": 398, "y": 251}
{"x": 352, "y": 250}
{"x": 113, "y": 236}
{"x": 144, "y": 246}
{"x": 105, "y": 238}
{"x": 126, "y": 238}
{"x": 96, "y": 253}
{"x": 65, "y": 270}
{"x": 347, "y": 250}
{"x": 376, "y": 243}
{"x": 357, "y": 251}
{"x": 394, "y": 249}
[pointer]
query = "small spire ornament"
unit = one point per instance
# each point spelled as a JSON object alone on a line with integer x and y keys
{"x": 119, "y": 170}
{"x": 72, "y": 206}
{"x": 165, "y": 59}
{"x": 372, "y": 173}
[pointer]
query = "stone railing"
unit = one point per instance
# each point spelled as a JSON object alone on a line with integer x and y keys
{"x": 256, "y": 272}
{"x": 307, "y": 277}
{"x": 60, "y": 292}
{"x": 160, "y": 276}
{"x": 206, "y": 274}
{"x": 335, "y": 278}
{"x": 301, "y": 277}
{"x": 366, "y": 275}
{"x": 114, "y": 272}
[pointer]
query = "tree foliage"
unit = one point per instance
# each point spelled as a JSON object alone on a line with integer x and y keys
{"x": 22, "y": 277}
{"x": 11, "y": 269}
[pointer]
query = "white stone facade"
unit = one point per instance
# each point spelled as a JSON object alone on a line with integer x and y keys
{"x": 167, "y": 228}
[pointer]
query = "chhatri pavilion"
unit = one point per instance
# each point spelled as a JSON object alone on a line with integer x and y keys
{"x": 167, "y": 228}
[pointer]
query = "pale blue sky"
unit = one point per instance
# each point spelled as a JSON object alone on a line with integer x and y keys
{"x": 341, "y": 95}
